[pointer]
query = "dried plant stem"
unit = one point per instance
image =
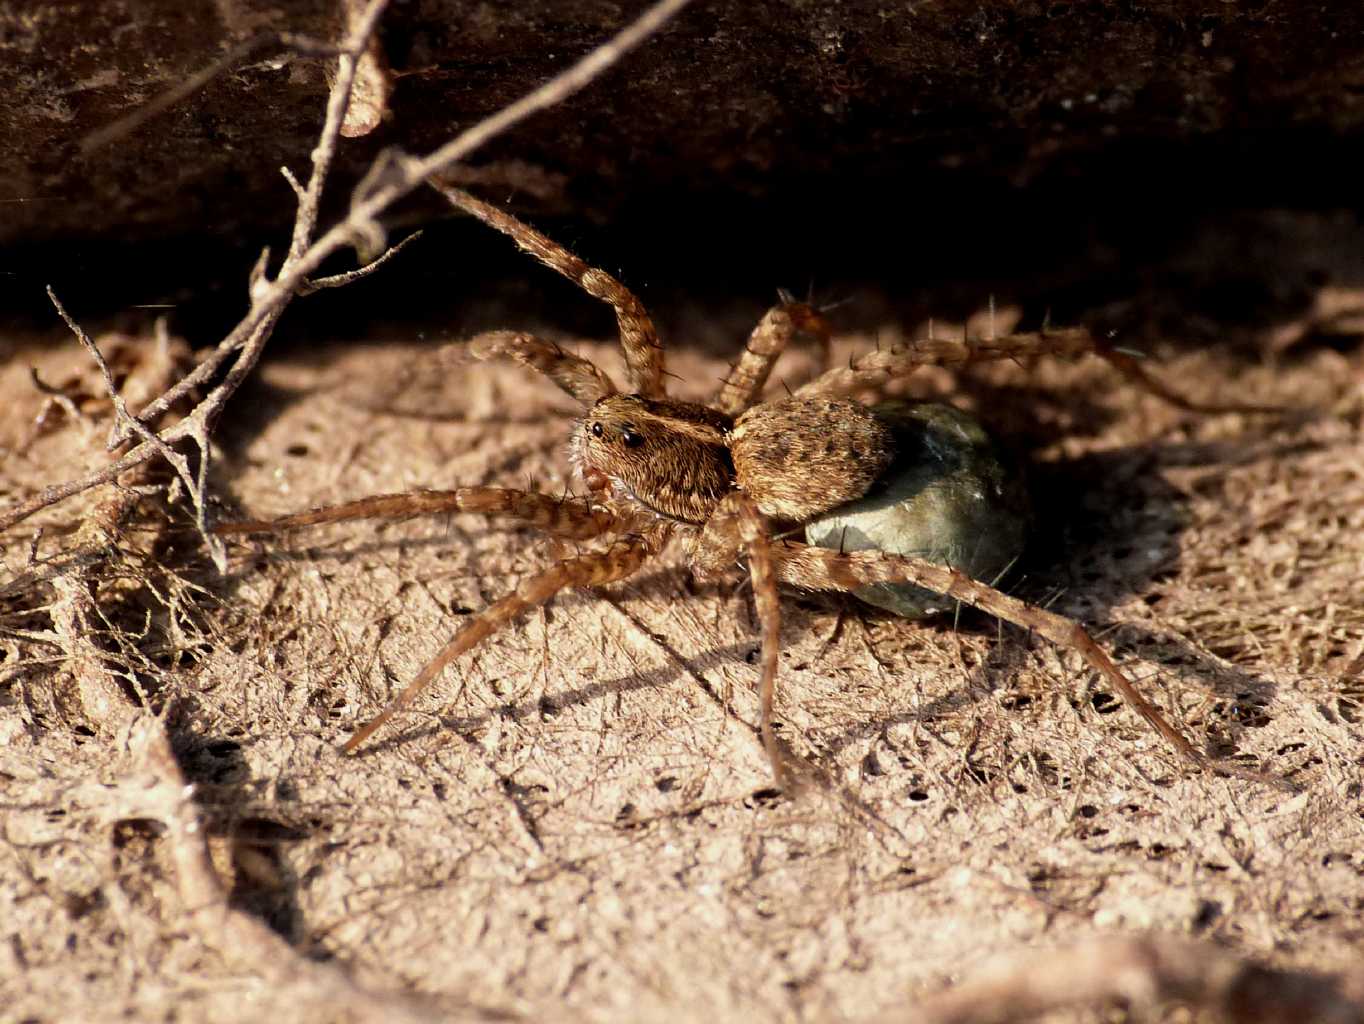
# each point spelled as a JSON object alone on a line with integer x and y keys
{"x": 259, "y": 324}
{"x": 318, "y": 284}
{"x": 107, "y": 704}
{"x": 394, "y": 178}
{"x": 124, "y": 421}
{"x": 161, "y": 793}
{"x": 107, "y": 701}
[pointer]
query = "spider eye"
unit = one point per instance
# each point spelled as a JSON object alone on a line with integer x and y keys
{"x": 632, "y": 438}
{"x": 596, "y": 430}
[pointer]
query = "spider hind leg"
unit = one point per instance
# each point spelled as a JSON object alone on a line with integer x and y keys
{"x": 814, "y": 568}
{"x": 624, "y": 558}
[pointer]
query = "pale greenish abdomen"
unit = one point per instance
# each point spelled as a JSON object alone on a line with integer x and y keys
{"x": 948, "y": 496}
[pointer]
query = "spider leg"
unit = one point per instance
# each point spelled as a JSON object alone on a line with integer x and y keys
{"x": 622, "y": 559}
{"x": 576, "y": 375}
{"x": 735, "y": 525}
{"x": 570, "y": 518}
{"x": 638, "y": 338}
{"x": 769, "y": 339}
{"x": 814, "y": 568}
{"x": 874, "y": 369}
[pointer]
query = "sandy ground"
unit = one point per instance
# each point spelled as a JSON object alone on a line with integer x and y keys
{"x": 577, "y": 821}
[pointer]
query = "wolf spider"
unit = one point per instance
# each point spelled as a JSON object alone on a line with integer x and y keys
{"x": 727, "y": 476}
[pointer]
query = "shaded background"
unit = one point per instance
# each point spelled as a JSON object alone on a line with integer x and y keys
{"x": 917, "y": 156}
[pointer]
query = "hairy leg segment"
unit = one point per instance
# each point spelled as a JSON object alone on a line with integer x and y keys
{"x": 875, "y": 369}
{"x": 744, "y": 383}
{"x": 568, "y": 518}
{"x": 638, "y": 338}
{"x": 575, "y": 375}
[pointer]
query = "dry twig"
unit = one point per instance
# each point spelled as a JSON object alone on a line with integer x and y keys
{"x": 156, "y": 789}
{"x": 106, "y": 701}
{"x": 125, "y": 421}
{"x": 393, "y": 177}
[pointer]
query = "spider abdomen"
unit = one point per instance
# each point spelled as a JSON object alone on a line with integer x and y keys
{"x": 799, "y": 457}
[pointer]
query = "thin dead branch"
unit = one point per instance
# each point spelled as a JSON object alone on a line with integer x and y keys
{"x": 318, "y": 284}
{"x": 399, "y": 175}
{"x": 123, "y": 420}
{"x": 106, "y": 702}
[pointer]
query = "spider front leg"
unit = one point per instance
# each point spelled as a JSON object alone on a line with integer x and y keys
{"x": 746, "y": 378}
{"x": 569, "y": 518}
{"x": 577, "y": 376}
{"x": 737, "y": 526}
{"x": 622, "y": 559}
{"x": 638, "y": 337}
{"x": 814, "y": 568}
{"x": 874, "y": 369}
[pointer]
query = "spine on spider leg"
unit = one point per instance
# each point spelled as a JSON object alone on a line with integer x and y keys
{"x": 571, "y": 518}
{"x": 821, "y": 569}
{"x": 621, "y": 560}
{"x": 1066, "y": 342}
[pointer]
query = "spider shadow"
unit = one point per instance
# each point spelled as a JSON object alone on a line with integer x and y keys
{"x": 339, "y": 551}
{"x": 547, "y": 705}
{"x": 262, "y": 402}
{"x": 1075, "y": 567}
{"x": 263, "y": 881}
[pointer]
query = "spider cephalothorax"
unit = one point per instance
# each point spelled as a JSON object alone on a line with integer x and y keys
{"x": 668, "y": 458}
{"x": 724, "y": 474}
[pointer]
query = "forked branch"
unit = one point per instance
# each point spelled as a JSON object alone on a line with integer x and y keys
{"x": 269, "y": 298}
